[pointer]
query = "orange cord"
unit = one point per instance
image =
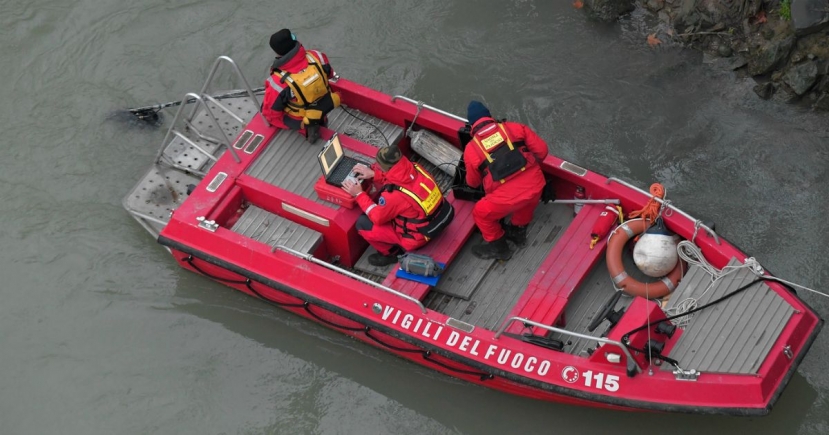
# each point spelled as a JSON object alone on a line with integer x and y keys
{"x": 651, "y": 210}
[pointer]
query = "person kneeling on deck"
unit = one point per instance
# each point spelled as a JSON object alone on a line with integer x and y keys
{"x": 411, "y": 209}
{"x": 505, "y": 157}
{"x": 297, "y": 93}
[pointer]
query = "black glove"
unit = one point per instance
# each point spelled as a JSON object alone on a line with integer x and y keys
{"x": 548, "y": 194}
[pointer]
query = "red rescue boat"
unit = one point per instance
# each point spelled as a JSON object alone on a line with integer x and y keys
{"x": 549, "y": 324}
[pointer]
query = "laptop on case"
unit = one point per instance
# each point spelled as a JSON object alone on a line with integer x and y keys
{"x": 336, "y": 166}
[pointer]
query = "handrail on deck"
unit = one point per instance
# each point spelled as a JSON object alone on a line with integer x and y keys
{"x": 248, "y": 89}
{"x": 697, "y": 222}
{"x": 199, "y": 98}
{"x": 330, "y": 266}
{"x": 171, "y": 130}
{"x": 625, "y": 350}
{"x": 426, "y": 106}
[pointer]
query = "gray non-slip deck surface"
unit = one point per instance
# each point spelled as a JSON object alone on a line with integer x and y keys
{"x": 504, "y": 282}
{"x": 734, "y": 336}
{"x": 273, "y": 230}
{"x": 589, "y": 298}
{"x": 363, "y": 265}
{"x": 290, "y": 162}
{"x": 465, "y": 273}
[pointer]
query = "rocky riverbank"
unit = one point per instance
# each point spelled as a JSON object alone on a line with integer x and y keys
{"x": 782, "y": 44}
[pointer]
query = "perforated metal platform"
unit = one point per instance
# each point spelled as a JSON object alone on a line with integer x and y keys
{"x": 205, "y": 134}
{"x": 163, "y": 188}
{"x": 157, "y": 194}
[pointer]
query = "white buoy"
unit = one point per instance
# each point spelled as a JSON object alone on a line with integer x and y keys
{"x": 655, "y": 252}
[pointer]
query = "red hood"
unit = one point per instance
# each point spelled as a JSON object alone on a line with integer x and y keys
{"x": 296, "y": 62}
{"x": 481, "y": 121}
{"x": 403, "y": 172}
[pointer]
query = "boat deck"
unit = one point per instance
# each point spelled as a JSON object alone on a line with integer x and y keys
{"x": 273, "y": 230}
{"x": 594, "y": 292}
{"x": 290, "y": 162}
{"x": 736, "y": 336}
{"x": 484, "y": 292}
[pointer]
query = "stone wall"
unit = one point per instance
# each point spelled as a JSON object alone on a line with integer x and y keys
{"x": 782, "y": 44}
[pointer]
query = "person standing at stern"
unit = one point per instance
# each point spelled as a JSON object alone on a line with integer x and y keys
{"x": 411, "y": 209}
{"x": 506, "y": 158}
{"x": 297, "y": 93}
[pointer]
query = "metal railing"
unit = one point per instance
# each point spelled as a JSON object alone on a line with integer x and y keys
{"x": 200, "y": 99}
{"x": 172, "y": 130}
{"x": 630, "y": 360}
{"x": 426, "y": 106}
{"x": 586, "y": 201}
{"x": 209, "y": 80}
{"x": 697, "y": 222}
{"x": 315, "y": 260}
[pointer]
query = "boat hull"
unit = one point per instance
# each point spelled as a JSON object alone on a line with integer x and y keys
{"x": 425, "y": 352}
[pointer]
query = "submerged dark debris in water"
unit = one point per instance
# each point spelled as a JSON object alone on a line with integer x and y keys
{"x": 149, "y": 120}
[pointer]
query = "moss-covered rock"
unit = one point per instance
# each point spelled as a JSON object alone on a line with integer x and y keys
{"x": 790, "y": 62}
{"x": 608, "y": 11}
{"x": 801, "y": 77}
{"x": 766, "y": 57}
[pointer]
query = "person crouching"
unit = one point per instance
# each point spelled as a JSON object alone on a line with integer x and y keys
{"x": 411, "y": 209}
{"x": 298, "y": 95}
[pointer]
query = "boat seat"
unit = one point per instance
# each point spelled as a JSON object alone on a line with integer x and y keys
{"x": 562, "y": 272}
{"x": 442, "y": 249}
{"x": 272, "y": 230}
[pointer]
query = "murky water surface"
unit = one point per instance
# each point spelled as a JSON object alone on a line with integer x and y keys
{"x": 101, "y": 333}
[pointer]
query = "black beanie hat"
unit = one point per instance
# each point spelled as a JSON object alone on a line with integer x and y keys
{"x": 475, "y": 111}
{"x": 282, "y": 42}
{"x": 387, "y": 157}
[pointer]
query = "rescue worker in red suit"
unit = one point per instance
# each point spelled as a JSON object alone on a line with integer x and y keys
{"x": 297, "y": 93}
{"x": 517, "y": 190}
{"x": 391, "y": 225}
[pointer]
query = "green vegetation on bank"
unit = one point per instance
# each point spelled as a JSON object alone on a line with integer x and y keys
{"x": 785, "y": 9}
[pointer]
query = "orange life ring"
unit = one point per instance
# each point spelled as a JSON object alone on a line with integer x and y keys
{"x": 621, "y": 279}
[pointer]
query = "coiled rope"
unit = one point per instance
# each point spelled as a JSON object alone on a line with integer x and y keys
{"x": 691, "y": 254}
{"x": 653, "y": 208}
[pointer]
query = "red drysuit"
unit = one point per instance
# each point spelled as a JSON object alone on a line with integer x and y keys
{"x": 520, "y": 193}
{"x": 390, "y": 214}
{"x": 277, "y": 93}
